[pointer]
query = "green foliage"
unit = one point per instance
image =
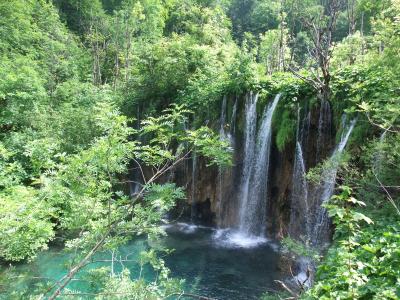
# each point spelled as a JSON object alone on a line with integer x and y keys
{"x": 73, "y": 115}
{"x": 79, "y": 192}
{"x": 158, "y": 200}
{"x": 168, "y": 129}
{"x": 243, "y": 71}
{"x": 275, "y": 296}
{"x": 372, "y": 83}
{"x": 25, "y": 225}
{"x": 65, "y": 146}
{"x": 363, "y": 264}
{"x": 299, "y": 249}
{"x": 253, "y": 16}
{"x": 81, "y": 186}
{"x": 204, "y": 141}
{"x": 315, "y": 175}
{"x": 121, "y": 286}
{"x": 20, "y": 87}
{"x": 11, "y": 172}
{"x": 273, "y": 50}
{"x": 286, "y": 130}
{"x": 371, "y": 89}
{"x": 175, "y": 52}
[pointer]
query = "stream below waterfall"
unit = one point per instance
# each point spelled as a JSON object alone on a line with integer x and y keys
{"x": 212, "y": 264}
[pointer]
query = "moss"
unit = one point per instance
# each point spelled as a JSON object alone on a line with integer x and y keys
{"x": 285, "y": 116}
{"x": 286, "y": 130}
{"x": 294, "y": 91}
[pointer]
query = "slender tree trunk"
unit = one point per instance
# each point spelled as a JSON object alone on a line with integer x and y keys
{"x": 116, "y": 63}
{"x": 321, "y": 30}
{"x": 351, "y": 16}
{"x": 127, "y": 49}
{"x": 281, "y": 55}
{"x": 362, "y": 36}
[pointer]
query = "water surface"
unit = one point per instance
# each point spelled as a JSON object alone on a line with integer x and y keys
{"x": 214, "y": 263}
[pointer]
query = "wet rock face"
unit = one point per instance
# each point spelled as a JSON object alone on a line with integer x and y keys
{"x": 200, "y": 183}
{"x": 212, "y": 193}
{"x": 211, "y": 184}
{"x": 278, "y": 212}
{"x": 281, "y": 176}
{"x": 202, "y": 193}
{"x": 203, "y": 213}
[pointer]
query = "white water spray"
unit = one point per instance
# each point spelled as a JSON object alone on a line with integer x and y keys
{"x": 253, "y": 192}
{"x": 321, "y": 225}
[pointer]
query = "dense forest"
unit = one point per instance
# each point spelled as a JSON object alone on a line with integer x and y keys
{"x": 276, "y": 121}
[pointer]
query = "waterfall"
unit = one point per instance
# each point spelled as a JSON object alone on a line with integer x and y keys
{"x": 305, "y": 130}
{"x": 193, "y": 192}
{"x": 134, "y": 188}
{"x": 186, "y": 162}
{"x": 230, "y": 135}
{"x": 223, "y": 136}
{"x": 233, "y": 117}
{"x": 135, "y": 181}
{"x": 327, "y": 188}
{"x": 253, "y": 188}
{"x": 324, "y": 129}
{"x": 300, "y": 211}
{"x": 226, "y": 133}
{"x": 249, "y": 149}
{"x": 222, "y": 120}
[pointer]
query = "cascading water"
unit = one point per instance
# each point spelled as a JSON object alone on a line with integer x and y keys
{"x": 222, "y": 120}
{"x": 305, "y": 130}
{"x": 187, "y": 161}
{"x": 226, "y": 133}
{"x": 193, "y": 192}
{"x": 321, "y": 224}
{"x": 233, "y": 118}
{"x": 249, "y": 150}
{"x": 330, "y": 174}
{"x": 134, "y": 187}
{"x": 324, "y": 129}
{"x": 300, "y": 211}
{"x": 223, "y": 136}
{"x": 253, "y": 190}
{"x": 232, "y": 125}
{"x": 254, "y": 179}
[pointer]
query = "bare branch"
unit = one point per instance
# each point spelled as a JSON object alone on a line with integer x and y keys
{"x": 387, "y": 193}
{"x": 285, "y": 287}
{"x": 193, "y": 296}
{"x": 141, "y": 170}
{"x": 381, "y": 126}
